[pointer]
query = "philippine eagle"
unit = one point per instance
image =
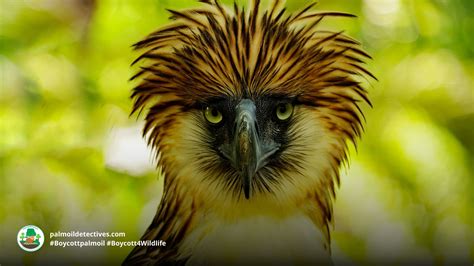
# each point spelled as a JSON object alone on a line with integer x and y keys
{"x": 250, "y": 113}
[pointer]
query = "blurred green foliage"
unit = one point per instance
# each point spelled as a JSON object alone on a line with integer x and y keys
{"x": 71, "y": 158}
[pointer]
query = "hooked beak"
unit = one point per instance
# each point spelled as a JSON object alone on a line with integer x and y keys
{"x": 247, "y": 152}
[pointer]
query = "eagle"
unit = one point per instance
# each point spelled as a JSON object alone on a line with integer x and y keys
{"x": 250, "y": 114}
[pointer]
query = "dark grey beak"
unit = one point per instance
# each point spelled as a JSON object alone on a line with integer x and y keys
{"x": 247, "y": 152}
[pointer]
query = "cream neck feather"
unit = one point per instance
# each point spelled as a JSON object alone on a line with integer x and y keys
{"x": 293, "y": 240}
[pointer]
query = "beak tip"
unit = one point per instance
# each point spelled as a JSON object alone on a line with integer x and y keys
{"x": 247, "y": 191}
{"x": 247, "y": 196}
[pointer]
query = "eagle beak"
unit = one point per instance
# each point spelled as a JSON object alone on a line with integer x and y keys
{"x": 247, "y": 152}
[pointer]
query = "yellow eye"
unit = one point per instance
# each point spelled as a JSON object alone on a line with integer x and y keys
{"x": 284, "y": 111}
{"x": 213, "y": 115}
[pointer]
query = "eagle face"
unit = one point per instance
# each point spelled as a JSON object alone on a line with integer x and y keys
{"x": 249, "y": 136}
{"x": 250, "y": 114}
{"x": 238, "y": 151}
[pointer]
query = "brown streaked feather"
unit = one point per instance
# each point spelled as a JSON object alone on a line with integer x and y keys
{"x": 298, "y": 15}
{"x": 328, "y": 13}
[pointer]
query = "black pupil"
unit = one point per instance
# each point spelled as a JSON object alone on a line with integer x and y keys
{"x": 282, "y": 108}
{"x": 214, "y": 112}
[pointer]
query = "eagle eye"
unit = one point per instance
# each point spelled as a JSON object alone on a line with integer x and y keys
{"x": 213, "y": 115}
{"x": 284, "y": 111}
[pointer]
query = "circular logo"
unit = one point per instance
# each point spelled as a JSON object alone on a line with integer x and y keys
{"x": 30, "y": 238}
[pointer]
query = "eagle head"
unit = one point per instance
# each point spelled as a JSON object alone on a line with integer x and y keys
{"x": 248, "y": 111}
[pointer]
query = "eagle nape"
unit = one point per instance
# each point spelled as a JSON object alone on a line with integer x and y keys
{"x": 250, "y": 113}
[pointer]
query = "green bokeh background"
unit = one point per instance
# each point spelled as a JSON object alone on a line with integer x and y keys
{"x": 71, "y": 158}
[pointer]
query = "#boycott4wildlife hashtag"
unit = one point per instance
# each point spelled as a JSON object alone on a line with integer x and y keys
{"x": 140, "y": 243}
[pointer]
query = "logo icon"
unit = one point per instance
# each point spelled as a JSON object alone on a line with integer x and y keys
{"x": 30, "y": 238}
